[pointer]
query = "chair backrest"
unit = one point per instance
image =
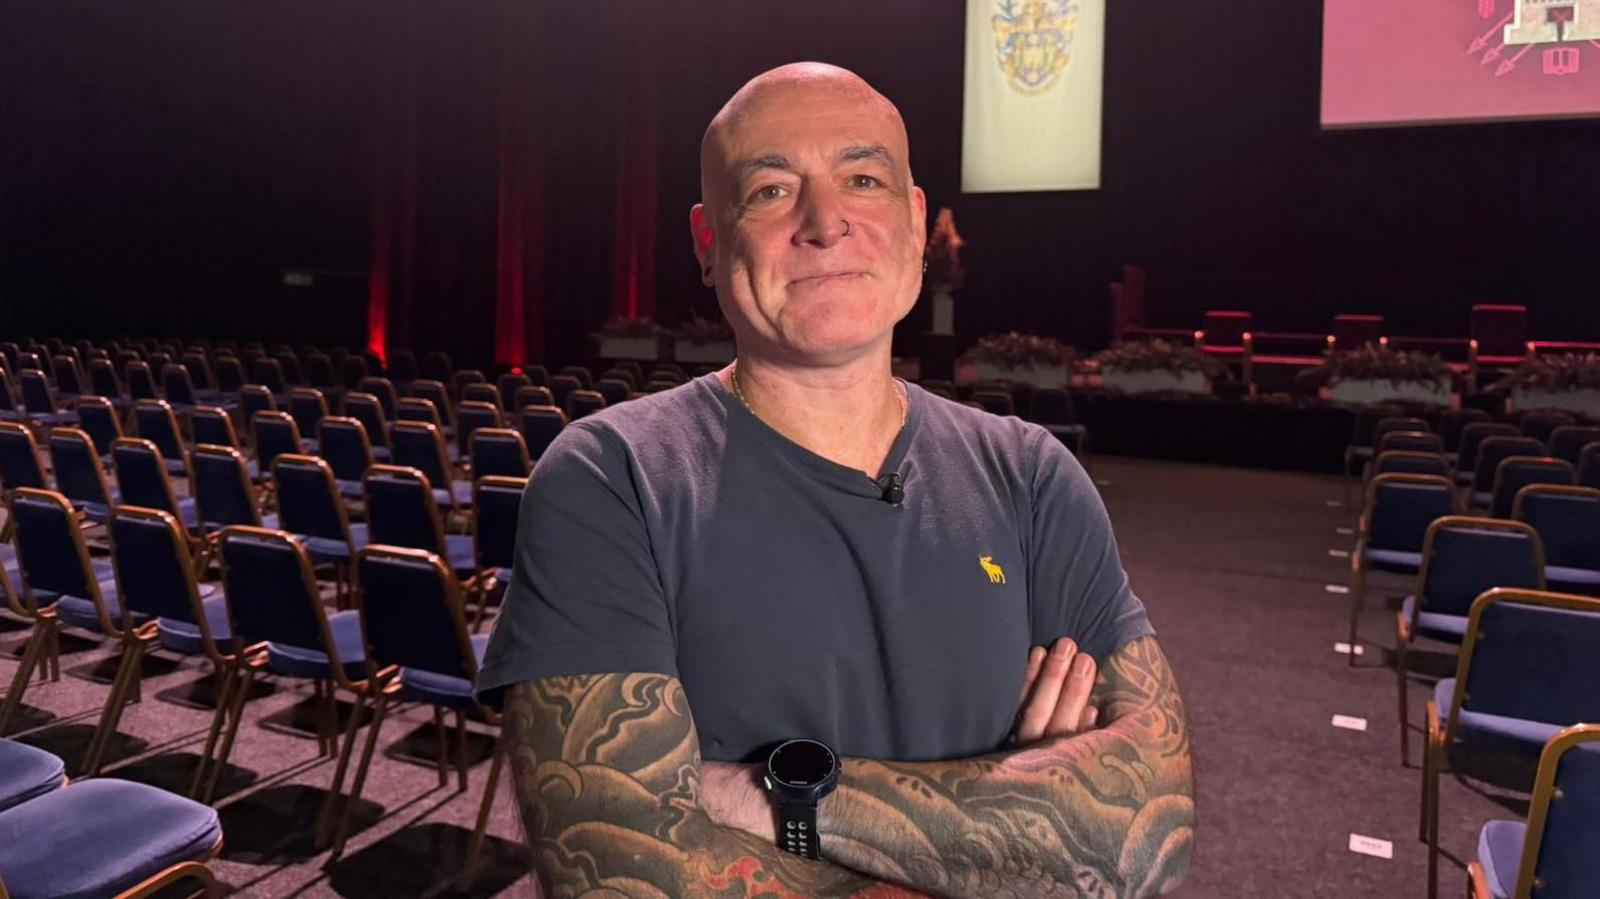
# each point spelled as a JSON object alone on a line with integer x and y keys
{"x": 271, "y": 593}
{"x": 1401, "y": 506}
{"x": 1495, "y": 450}
{"x": 403, "y": 366}
{"x": 499, "y": 451}
{"x": 629, "y": 376}
{"x": 615, "y": 391}
{"x": 561, "y": 387}
{"x": 319, "y": 372}
{"x": 1540, "y": 664}
{"x": 419, "y": 445}
{"x": 343, "y": 442}
{"x": 36, "y": 393}
{"x": 411, "y": 612}
{"x": 212, "y": 425}
{"x": 434, "y": 392}
{"x": 1517, "y": 472}
{"x": 1051, "y": 406}
{"x": 481, "y": 393}
{"x": 50, "y": 547}
{"x": 381, "y": 389}
{"x": 496, "y": 500}
{"x": 581, "y": 373}
{"x": 401, "y": 510}
{"x": 19, "y": 458}
{"x": 307, "y": 406}
{"x": 436, "y": 366}
{"x": 8, "y": 395}
{"x": 997, "y": 402}
{"x": 1541, "y": 423}
{"x": 1462, "y": 556}
{"x": 1411, "y": 442}
{"x": 142, "y": 475}
{"x": 103, "y": 378}
{"x": 365, "y": 408}
{"x": 293, "y": 375}
{"x": 473, "y": 415}
{"x": 1558, "y": 848}
{"x": 1473, "y": 436}
{"x": 1567, "y": 442}
{"x": 531, "y": 395}
{"x": 584, "y": 402}
{"x": 155, "y": 573}
{"x": 268, "y": 373}
{"x": 79, "y": 476}
{"x": 510, "y": 382}
{"x": 1398, "y": 423}
{"x": 1366, "y": 423}
{"x": 276, "y": 434}
{"x": 99, "y": 420}
{"x": 353, "y": 369}
{"x": 415, "y": 408}
{"x": 177, "y": 386}
{"x": 154, "y": 421}
{"x": 1403, "y": 462}
{"x": 200, "y": 376}
{"x": 65, "y": 370}
{"x": 229, "y": 373}
{"x": 461, "y": 379}
{"x": 222, "y": 489}
{"x": 541, "y": 425}
{"x": 308, "y": 498}
{"x": 1589, "y": 465}
{"x": 1567, "y": 519}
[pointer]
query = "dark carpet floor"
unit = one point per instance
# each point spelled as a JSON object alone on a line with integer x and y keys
{"x": 1233, "y": 565}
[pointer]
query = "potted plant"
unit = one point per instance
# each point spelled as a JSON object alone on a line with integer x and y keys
{"x": 1156, "y": 366}
{"x": 703, "y": 341}
{"x": 1024, "y": 358}
{"x": 1569, "y": 382}
{"x": 944, "y": 272}
{"x": 629, "y": 338}
{"x": 1377, "y": 374}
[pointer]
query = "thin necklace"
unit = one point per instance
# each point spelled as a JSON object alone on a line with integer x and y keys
{"x": 733, "y": 376}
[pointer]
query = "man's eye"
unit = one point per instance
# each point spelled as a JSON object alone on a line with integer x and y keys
{"x": 864, "y": 181}
{"x": 770, "y": 192}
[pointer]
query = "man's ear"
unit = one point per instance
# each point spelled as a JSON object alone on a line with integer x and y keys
{"x": 700, "y": 232}
{"x": 919, "y": 204}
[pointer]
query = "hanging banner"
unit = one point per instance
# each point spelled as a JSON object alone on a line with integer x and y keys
{"x": 1031, "y": 115}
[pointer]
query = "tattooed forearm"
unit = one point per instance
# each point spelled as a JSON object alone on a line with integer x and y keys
{"x": 1108, "y": 813}
{"x": 607, "y": 774}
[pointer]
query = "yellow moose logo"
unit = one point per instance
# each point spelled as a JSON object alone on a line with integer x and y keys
{"x": 997, "y": 575}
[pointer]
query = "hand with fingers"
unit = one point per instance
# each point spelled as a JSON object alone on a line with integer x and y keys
{"x": 1055, "y": 694}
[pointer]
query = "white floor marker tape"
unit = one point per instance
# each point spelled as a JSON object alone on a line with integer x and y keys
{"x": 1345, "y": 532}
{"x": 1349, "y": 722}
{"x": 1336, "y": 588}
{"x": 1344, "y": 649}
{"x": 1371, "y": 846}
{"x": 1339, "y": 553}
{"x": 1335, "y": 503}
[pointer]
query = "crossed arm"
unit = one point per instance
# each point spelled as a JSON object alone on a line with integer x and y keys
{"x": 609, "y": 779}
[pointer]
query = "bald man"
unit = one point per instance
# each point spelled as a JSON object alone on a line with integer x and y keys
{"x": 767, "y": 632}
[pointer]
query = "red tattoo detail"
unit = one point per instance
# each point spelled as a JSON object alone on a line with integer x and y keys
{"x": 748, "y": 872}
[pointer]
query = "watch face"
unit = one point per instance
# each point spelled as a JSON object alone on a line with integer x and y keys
{"x": 802, "y": 763}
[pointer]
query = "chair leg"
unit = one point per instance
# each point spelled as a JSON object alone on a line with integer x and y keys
{"x": 37, "y": 642}
{"x": 319, "y": 712}
{"x": 55, "y": 652}
{"x": 225, "y": 681}
{"x": 1358, "y": 597}
{"x": 127, "y": 674}
{"x": 441, "y": 753}
{"x": 461, "y": 748}
{"x": 236, "y": 712}
{"x": 475, "y": 847}
{"x": 325, "y": 819}
{"x": 379, "y": 708}
{"x": 1405, "y": 718}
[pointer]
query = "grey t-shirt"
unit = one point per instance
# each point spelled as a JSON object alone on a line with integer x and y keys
{"x": 679, "y": 534}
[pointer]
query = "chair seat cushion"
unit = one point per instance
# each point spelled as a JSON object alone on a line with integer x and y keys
{"x": 463, "y": 556}
{"x": 442, "y": 689}
{"x": 79, "y": 611}
{"x": 177, "y": 467}
{"x": 380, "y": 454}
{"x": 1484, "y": 733}
{"x": 27, "y": 772}
{"x": 188, "y": 512}
{"x": 184, "y": 636}
{"x": 1500, "y": 854}
{"x": 328, "y": 549}
{"x": 1361, "y": 452}
{"x": 99, "y": 838}
{"x": 1395, "y": 560}
{"x": 1449, "y": 628}
{"x": 1572, "y": 580}
{"x": 1482, "y": 498}
{"x": 304, "y": 661}
{"x": 352, "y": 489}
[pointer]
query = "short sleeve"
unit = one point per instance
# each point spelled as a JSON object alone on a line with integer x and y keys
{"x": 584, "y": 594}
{"x": 1078, "y": 586}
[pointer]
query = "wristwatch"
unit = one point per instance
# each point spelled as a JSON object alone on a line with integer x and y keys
{"x": 799, "y": 773}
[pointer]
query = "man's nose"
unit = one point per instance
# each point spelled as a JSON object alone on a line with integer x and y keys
{"x": 822, "y": 218}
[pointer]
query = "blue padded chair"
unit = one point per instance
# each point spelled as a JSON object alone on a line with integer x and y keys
{"x": 581, "y": 373}
{"x": 223, "y": 491}
{"x": 401, "y": 512}
{"x": 537, "y": 375}
{"x": 212, "y": 424}
{"x": 289, "y": 364}
{"x": 99, "y": 419}
{"x": 19, "y": 458}
{"x": 419, "y": 445}
{"x": 268, "y": 373}
{"x": 1568, "y": 521}
{"x": 1511, "y": 694}
{"x": 140, "y": 381}
{"x": 995, "y": 401}
{"x": 310, "y": 508}
{"x": 254, "y": 398}
{"x": 1567, "y": 442}
{"x": 460, "y": 380}
{"x": 281, "y": 627}
{"x": 80, "y": 476}
{"x": 581, "y": 403}
{"x": 1472, "y": 438}
{"x": 382, "y": 390}
{"x": 1462, "y": 556}
{"x": 40, "y": 400}
{"x": 1540, "y": 424}
{"x": 1553, "y": 851}
{"x": 496, "y": 502}
{"x": 541, "y": 425}
{"x": 403, "y": 367}
{"x": 177, "y": 387}
{"x": 616, "y": 390}
{"x": 562, "y": 386}
{"x": 1402, "y": 462}
{"x": 511, "y": 382}
{"x": 437, "y": 366}
{"x": 142, "y": 481}
{"x": 320, "y": 374}
{"x": 434, "y": 392}
{"x": 69, "y": 382}
{"x": 532, "y": 395}
{"x": 364, "y": 407}
{"x": 27, "y": 773}
{"x": 1399, "y": 508}
{"x": 499, "y": 452}
{"x": 480, "y": 393}
{"x": 415, "y": 622}
{"x": 417, "y": 409}
{"x": 202, "y": 380}
{"x": 1411, "y": 441}
{"x": 229, "y": 374}
{"x": 155, "y": 422}
{"x": 107, "y": 837}
{"x": 1589, "y": 465}
{"x": 344, "y": 444}
{"x": 10, "y": 408}
{"x": 276, "y": 435}
{"x": 471, "y": 416}
{"x": 1517, "y": 472}
{"x": 105, "y": 382}
{"x": 55, "y": 563}
{"x": 308, "y": 407}
{"x": 1491, "y": 453}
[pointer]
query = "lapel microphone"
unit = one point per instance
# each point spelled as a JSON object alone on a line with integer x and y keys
{"x": 893, "y": 488}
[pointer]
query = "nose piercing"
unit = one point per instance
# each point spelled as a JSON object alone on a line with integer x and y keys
{"x": 846, "y": 227}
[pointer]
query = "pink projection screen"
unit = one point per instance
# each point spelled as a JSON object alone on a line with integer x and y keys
{"x": 1415, "y": 62}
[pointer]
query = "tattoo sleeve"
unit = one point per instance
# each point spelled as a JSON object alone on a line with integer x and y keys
{"x": 1106, "y": 813}
{"x": 607, "y": 774}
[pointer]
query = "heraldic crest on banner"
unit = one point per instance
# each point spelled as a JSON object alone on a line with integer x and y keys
{"x": 1033, "y": 41}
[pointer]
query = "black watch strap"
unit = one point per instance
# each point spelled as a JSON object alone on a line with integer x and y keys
{"x": 797, "y": 828}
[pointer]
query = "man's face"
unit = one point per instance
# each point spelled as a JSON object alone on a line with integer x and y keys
{"x": 810, "y": 221}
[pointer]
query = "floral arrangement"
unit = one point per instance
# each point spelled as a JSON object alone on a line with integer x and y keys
{"x": 944, "y": 252}
{"x": 1014, "y": 350}
{"x": 1159, "y": 355}
{"x": 1554, "y": 374}
{"x": 1379, "y": 363}
{"x": 703, "y": 330}
{"x": 629, "y": 327}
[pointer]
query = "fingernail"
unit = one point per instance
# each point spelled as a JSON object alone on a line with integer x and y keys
{"x": 1081, "y": 665}
{"x": 1064, "y": 648}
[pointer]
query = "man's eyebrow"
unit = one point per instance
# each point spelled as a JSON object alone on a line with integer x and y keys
{"x": 875, "y": 152}
{"x": 764, "y": 161}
